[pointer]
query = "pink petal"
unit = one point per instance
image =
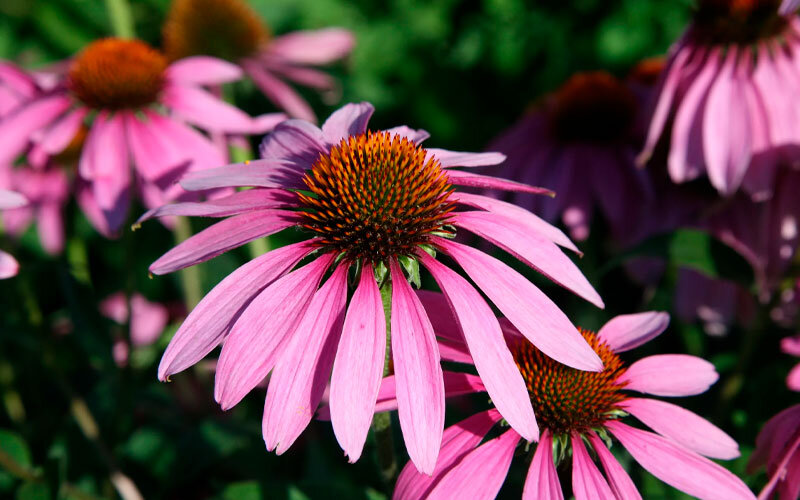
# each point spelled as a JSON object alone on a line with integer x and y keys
{"x": 50, "y": 226}
{"x": 9, "y": 267}
{"x": 542, "y": 481}
{"x": 416, "y": 136}
{"x": 463, "y": 159}
{"x": 791, "y": 345}
{"x": 203, "y": 70}
{"x": 258, "y": 173}
{"x": 793, "y": 379}
{"x": 539, "y": 253}
{"x": 209, "y": 322}
{"x": 349, "y": 120}
{"x": 481, "y": 473}
{"x": 619, "y": 480}
{"x": 223, "y": 236}
{"x": 441, "y": 315}
{"x": 420, "y": 388}
{"x": 313, "y": 47}
{"x": 789, "y": 6}
{"x": 303, "y": 370}
{"x": 17, "y": 128}
{"x": 587, "y": 481}
{"x": 679, "y": 467}
{"x": 278, "y": 92}
{"x": 238, "y": 202}
{"x": 206, "y": 111}
{"x": 530, "y": 310}
{"x": 105, "y": 156}
{"x": 188, "y": 142}
{"x": 147, "y": 321}
{"x": 683, "y": 427}
{"x": 261, "y": 333}
{"x": 295, "y": 140}
{"x": 309, "y": 77}
{"x": 670, "y": 375}
{"x": 115, "y": 308}
{"x": 493, "y": 360}
{"x": 11, "y": 199}
{"x": 462, "y": 178}
{"x": 628, "y": 331}
{"x": 358, "y": 366}
{"x": 63, "y": 131}
{"x": 155, "y": 155}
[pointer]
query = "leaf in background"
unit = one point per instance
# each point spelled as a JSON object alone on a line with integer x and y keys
{"x": 15, "y": 448}
{"x": 34, "y": 491}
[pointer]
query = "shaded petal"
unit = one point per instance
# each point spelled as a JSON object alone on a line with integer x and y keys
{"x": 441, "y": 315}
{"x": 155, "y": 155}
{"x": 203, "y": 70}
{"x": 297, "y": 141}
{"x": 358, "y": 366}
{"x": 281, "y": 94}
{"x": 628, "y": 331}
{"x": 619, "y": 480}
{"x": 670, "y": 375}
{"x": 679, "y": 467}
{"x": 418, "y": 374}
{"x": 587, "y": 481}
{"x": 238, "y": 202}
{"x": 63, "y": 131}
{"x": 312, "y": 47}
{"x": 493, "y": 360}
{"x": 16, "y": 129}
{"x": 206, "y": 111}
{"x": 461, "y": 178}
{"x": 542, "y": 481}
{"x": 464, "y": 159}
{"x": 209, "y": 322}
{"x": 683, "y": 427}
{"x": 259, "y": 173}
{"x": 349, "y": 120}
{"x": 416, "y": 136}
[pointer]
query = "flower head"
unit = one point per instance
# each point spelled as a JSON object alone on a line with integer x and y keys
{"x": 578, "y": 410}
{"x": 376, "y": 206}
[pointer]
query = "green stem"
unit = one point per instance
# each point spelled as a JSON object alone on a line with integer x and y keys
{"x": 119, "y": 13}
{"x": 382, "y": 422}
{"x": 190, "y": 277}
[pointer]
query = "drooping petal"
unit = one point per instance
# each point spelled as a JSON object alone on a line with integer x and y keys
{"x": 50, "y": 226}
{"x": 530, "y": 310}
{"x": 9, "y": 267}
{"x": 221, "y": 237}
{"x": 464, "y": 159}
{"x": 238, "y": 202}
{"x": 155, "y": 156}
{"x": 63, "y": 131}
{"x": 619, "y": 480}
{"x": 107, "y": 159}
{"x": 349, "y": 120}
{"x": 587, "y": 481}
{"x": 303, "y": 370}
{"x": 441, "y": 315}
{"x": 683, "y": 427}
{"x": 358, "y": 366}
{"x": 260, "y": 334}
{"x": 279, "y": 93}
{"x": 469, "y": 179}
{"x": 670, "y": 375}
{"x": 679, "y": 467}
{"x": 312, "y": 47}
{"x": 493, "y": 360}
{"x": 418, "y": 374}
{"x": 209, "y": 322}
{"x": 202, "y": 109}
{"x": 259, "y": 173}
{"x": 628, "y": 331}
{"x": 203, "y": 70}
{"x": 542, "y": 482}
{"x": 539, "y": 253}
{"x": 16, "y": 129}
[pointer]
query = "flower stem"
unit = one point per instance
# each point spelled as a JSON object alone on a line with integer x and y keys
{"x": 382, "y": 422}
{"x": 190, "y": 277}
{"x": 119, "y": 13}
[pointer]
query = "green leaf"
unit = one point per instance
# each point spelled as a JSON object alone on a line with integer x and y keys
{"x": 15, "y": 447}
{"x": 34, "y": 491}
{"x": 247, "y": 490}
{"x": 411, "y": 266}
{"x": 294, "y": 493}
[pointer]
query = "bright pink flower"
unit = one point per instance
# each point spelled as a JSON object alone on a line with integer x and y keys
{"x": 575, "y": 409}
{"x": 147, "y": 321}
{"x": 9, "y": 200}
{"x": 580, "y": 144}
{"x": 241, "y": 37}
{"x": 120, "y": 86}
{"x": 724, "y": 92}
{"x": 375, "y": 203}
{"x": 778, "y": 447}
{"x": 791, "y": 345}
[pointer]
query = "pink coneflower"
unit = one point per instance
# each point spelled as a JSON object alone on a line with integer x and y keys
{"x": 9, "y": 200}
{"x": 122, "y": 87}
{"x": 231, "y": 30}
{"x": 791, "y": 345}
{"x": 579, "y": 143}
{"x": 147, "y": 321}
{"x": 722, "y": 97}
{"x": 577, "y": 409}
{"x": 375, "y": 204}
{"x": 778, "y": 447}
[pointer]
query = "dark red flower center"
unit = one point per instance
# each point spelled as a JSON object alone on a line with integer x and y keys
{"x": 592, "y": 107}
{"x": 565, "y": 399}
{"x": 738, "y": 22}
{"x": 228, "y": 29}
{"x": 116, "y": 74}
{"x": 375, "y": 196}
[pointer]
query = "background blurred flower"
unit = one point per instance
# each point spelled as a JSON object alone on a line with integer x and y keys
{"x": 146, "y": 323}
{"x": 778, "y": 447}
{"x": 791, "y": 345}
{"x": 9, "y": 200}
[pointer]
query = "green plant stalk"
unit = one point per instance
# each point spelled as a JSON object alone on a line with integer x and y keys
{"x": 382, "y": 422}
{"x": 119, "y": 13}
{"x": 191, "y": 280}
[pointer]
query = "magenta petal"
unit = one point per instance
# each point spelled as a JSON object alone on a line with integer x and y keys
{"x": 587, "y": 481}
{"x": 358, "y": 366}
{"x": 455, "y": 384}
{"x": 202, "y": 109}
{"x": 349, "y": 120}
{"x": 279, "y": 92}
{"x": 223, "y": 236}
{"x": 542, "y": 482}
{"x": 63, "y": 131}
{"x": 493, "y": 360}
{"x": 539, "y": 253}
{"x": 203, "y": 70}
{"x": 462, "y": 178}
{"x": 683, "y": 427}
{"x": 108, "y": 160}
{"x": 670, "y": 375}
{"x": 9, "y": 267}
{"x": 628, "y": 331}
{"x": 793, "y": 378}
{"x": 420, "y": 388}
{"x": 209, "y": 322}
{"x": 238, "y": 202}
{"x": 463, "y": 159}
{"x": 441, "y": 315}
{"x": 50, "y": 226}
{"x": 531, "y": 311}
{"x": 312, "y": 47}
{"x": 303, "y": 370}
{"x": 154, "y": 154}
{"x": 679, "y": 467}
{"x": 481, "y": 473}
{"x": 259, "y": 173}
{"x": 16, "y": 129}
{"x": 260, "y": 334}
{"x": 619, "y": 480}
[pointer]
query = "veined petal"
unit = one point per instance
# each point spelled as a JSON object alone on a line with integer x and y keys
{"x": 257, "y": 173}
{"x": 203, "y": 70}
{"x": 587, "y": 481}
{"x": 628, "y": 331}
{"x": 349, "y": 120}
{"x": 464, "y": 159}
{"x": 542, "y": 482}
{"x": 619, "y": 480}
{"x": 469, "y": 179}
{"x": 238, "y": 202}
{"x": 670, "y": 375}
{"x": 417, "y": 136}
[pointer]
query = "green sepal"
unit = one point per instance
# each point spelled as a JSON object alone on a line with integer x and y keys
{"x": 411, "y": 265}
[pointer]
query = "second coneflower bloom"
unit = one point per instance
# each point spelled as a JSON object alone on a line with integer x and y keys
{"x": 375, "y": 205}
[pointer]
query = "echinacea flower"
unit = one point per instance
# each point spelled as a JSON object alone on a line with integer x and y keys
{"x": 577, "y": 410}
{"x": 9, "y": 200}
{"x": 137, "y": 104}
{"x": 722, "y": 97}
{"x": 579, "y": 143}
{"x": 231, "y": 30}
{"x": 373, "y": 203}
{"x": 791, "y": 345}
{"x": 778, "y": 447}
{"x": 147, "y": 321}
